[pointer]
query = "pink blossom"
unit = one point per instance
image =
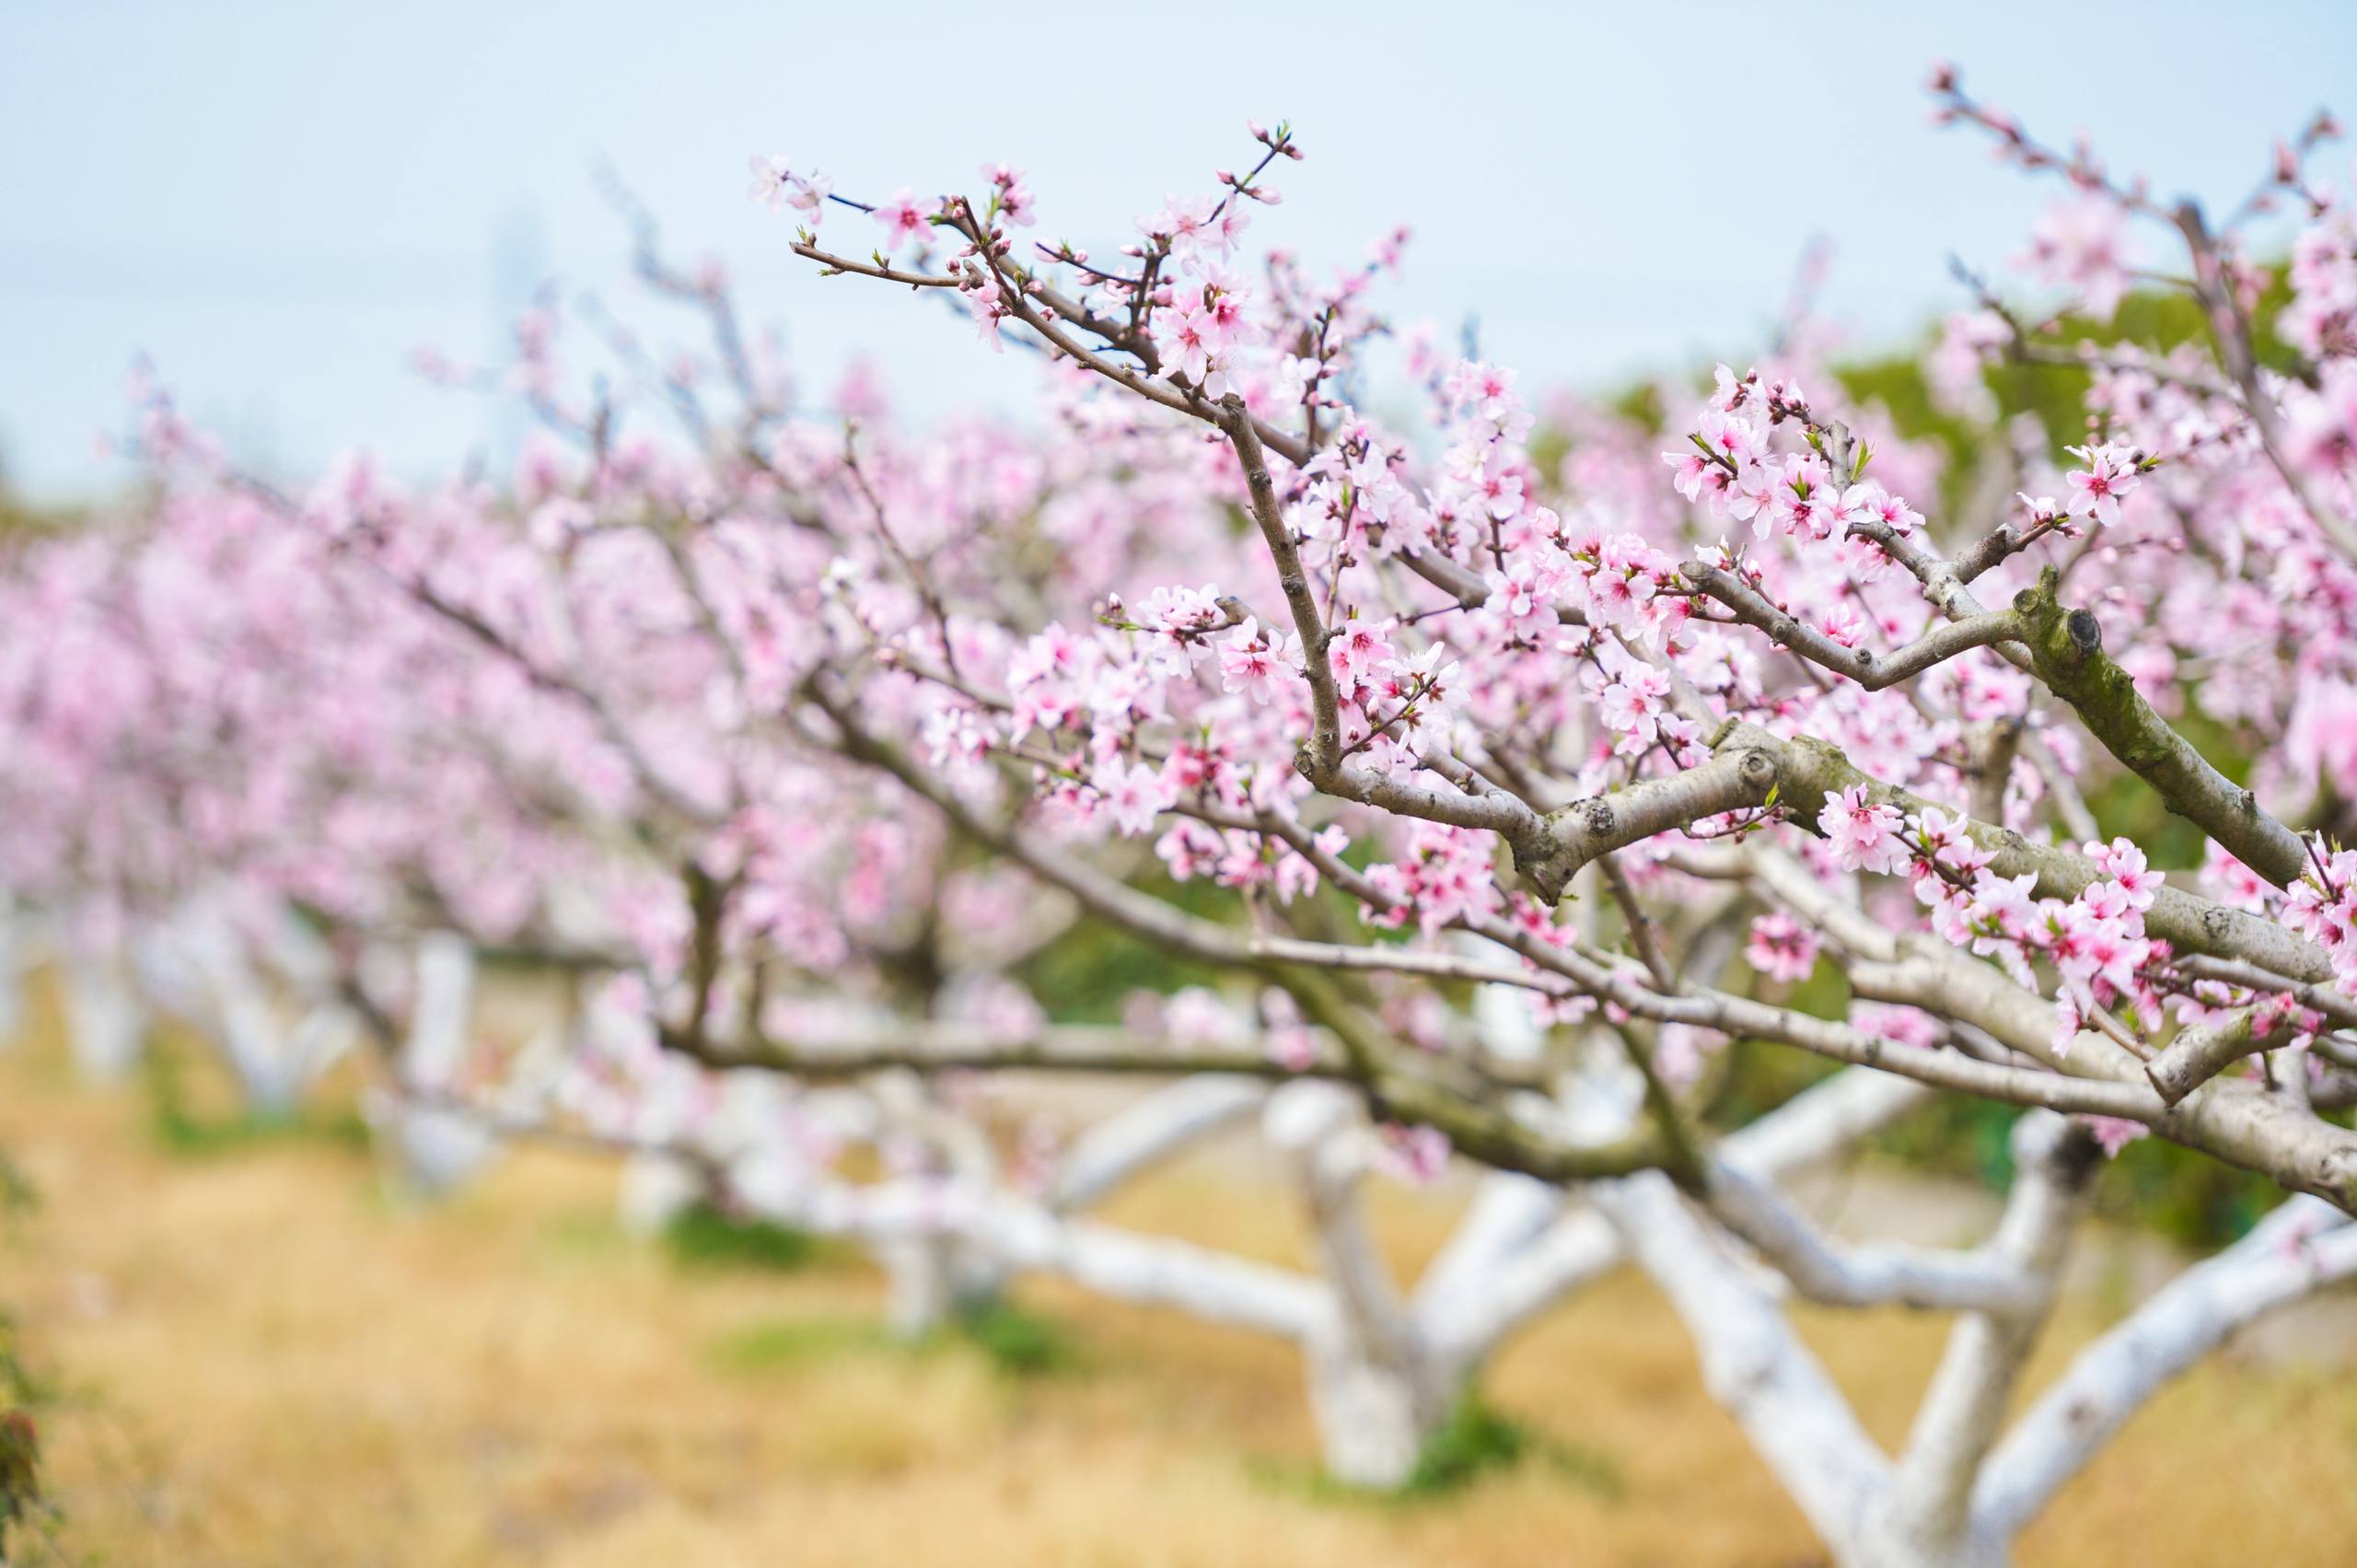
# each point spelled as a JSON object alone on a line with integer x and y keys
{"x": 1417, "y": 1154}
{"x": 1781, "y": 947}
{"x": 1184, "y": 334}
{"x": 1133, "y": 796}
{"x": 2123, "y": 862}
{"x": 1360, "y": 646}
{"x": 1249, "y": 663}
{"x": 2082, "y": 244}
{"x": 1865, "y": 837}
{"x": 902, "y": 219}
{"x": 1015, "y": 201}
{"x": 2114, "y": 1133}
{"x": 772, "y": 179}
{"x": 2097, "y": 488}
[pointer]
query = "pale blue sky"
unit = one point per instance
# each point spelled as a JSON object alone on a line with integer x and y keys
{"x": 278, "y": 202}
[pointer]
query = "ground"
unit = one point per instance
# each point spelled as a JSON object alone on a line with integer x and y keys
{"x": 258, "y": 1358}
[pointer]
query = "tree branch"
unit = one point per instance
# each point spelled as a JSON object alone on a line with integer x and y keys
{"x": 2298, "y": 1248}
{"x": 1935, "y": 647}
{"x": 2067, "y": 646}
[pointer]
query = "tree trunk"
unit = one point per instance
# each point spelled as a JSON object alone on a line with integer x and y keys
{"x": 1373, "y": 1415}
{"x": 1890, "y": 1543}
{"x": 103, "y": 1017}
{"x": 933, "y": 1281}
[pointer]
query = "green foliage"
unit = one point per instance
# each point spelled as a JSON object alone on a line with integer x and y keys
{"x": 2158, "y": 319}
{"x": 1018, "y": 1343}
{"x": 18, "y": 1194}
{"x": 1475, "y": 1441}
{"x": 1955, "y": 1136}
{"x": 703, "y": 1235}
{"x": 2154, "y": 319}
{"x": 188, "y": 1132}
{"x": 1092, "y": 968}
{"x": 773, "y": 1347}
{"x": 1639, "y": 405}
{"x": 2186, "y": 1196}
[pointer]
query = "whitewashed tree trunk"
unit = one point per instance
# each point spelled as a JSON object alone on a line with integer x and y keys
{"x": 437, "y": 1144}
{"x": 230, "y": 1006}
{"x": 934, "y": 1280}
{"x": 936, "y": 1276}
{"x": 1956, "y": 1496}
{"x": 1373, "y": 1415}
{"x": 105, "y": 1020}
{"x": 2302, "y": 1247}
{"x": 1926, "y": 1518}
{"x": 1156, "y": 1127}
{"x": 1376, "y": 1388}
{"x": 1021, "y": 1235}
{"x": 656, "y": 1187}
{"x": 1753, "y": 1363}
{"x": 198, "y": 964}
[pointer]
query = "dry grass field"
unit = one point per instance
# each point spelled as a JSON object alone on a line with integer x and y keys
{"x": 256, "y": 1359}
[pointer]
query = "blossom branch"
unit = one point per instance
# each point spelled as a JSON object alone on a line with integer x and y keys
{"x": 1860, "y": 665}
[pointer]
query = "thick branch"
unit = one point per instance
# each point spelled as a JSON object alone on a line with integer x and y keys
{"x": 1839, "y": 1273}
{"x": 1754, "y": 1365}
{"x": 2201, "y": 1053}
{"x": 1740, "y": 775}
{"x": 2298, "y": 1248}
{"x": 1117, "y": 1147}
{"x": 1109, "y": 1261}
{"x": 1807, "y": 770}
{"x": 2067, "y": 646}
{"x": 1987, "y": 1348}
{"x": 1814, "y": 1126}
{"x": 2238, "y": 1123}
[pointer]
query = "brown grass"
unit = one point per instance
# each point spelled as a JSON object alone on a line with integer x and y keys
{"x": 264, "y": 1362}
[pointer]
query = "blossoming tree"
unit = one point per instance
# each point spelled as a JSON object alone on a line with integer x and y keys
{"x": 1544, "y": 727}
{"x": 1466, "y": 767}
{"x": 550, "y": 727}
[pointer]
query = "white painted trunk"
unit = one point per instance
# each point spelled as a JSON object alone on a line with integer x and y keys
{"x": 435, "y": 1146}
{"x": 105, "y": 1021}
{"x": 1890, "y": 1543}
{"x": 656, "y": 1189}
{"x": 1374, "y": 1416}
{"x": 235, "y": 1012}
{"x": 932, "y": 1281}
